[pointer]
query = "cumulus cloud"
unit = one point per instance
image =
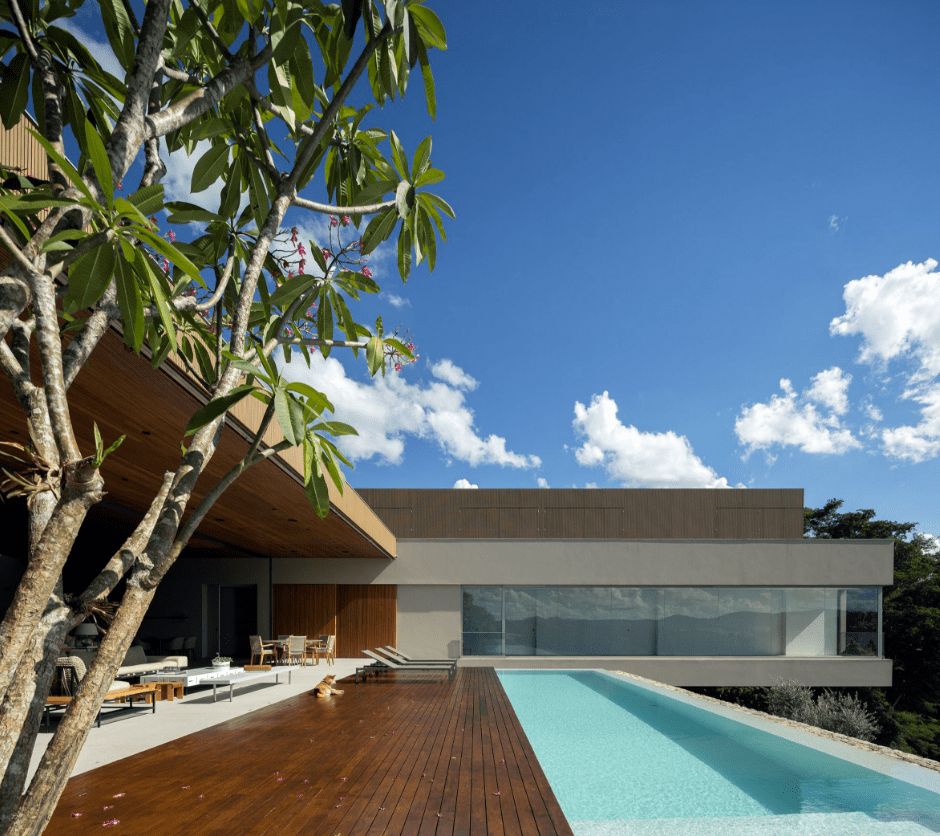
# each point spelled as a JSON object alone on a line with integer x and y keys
{"x": 387, "y": 410}
{"x": 178, "y": 179}
{"x": 635, "y": 458}
{"x": 397, "y": 301}
{"x": 542, "y": 482}
{"x": 897, "y": 316}
{"x": 101, "y": 50}
{"x": 465, "y": 484}
{"x": 809, "y": 421}
{"x": 454, "y": 375}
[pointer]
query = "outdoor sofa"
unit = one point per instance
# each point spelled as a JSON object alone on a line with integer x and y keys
{"x": 136, "y": 662}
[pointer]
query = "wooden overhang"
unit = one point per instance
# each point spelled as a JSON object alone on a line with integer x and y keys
{"x": 265, "y": 512}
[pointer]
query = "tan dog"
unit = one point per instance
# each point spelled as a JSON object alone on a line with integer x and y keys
{"x": 325, "y": 688}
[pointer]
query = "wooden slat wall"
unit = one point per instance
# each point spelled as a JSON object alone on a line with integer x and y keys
{"x": 304, "y": 609}
{"x": 629, "y": 514}
{"x": 361, "y": 616}
{"x": 366, "y": 618}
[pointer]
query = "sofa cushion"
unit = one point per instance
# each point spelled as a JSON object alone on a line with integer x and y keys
{"x": 135, "y": 656}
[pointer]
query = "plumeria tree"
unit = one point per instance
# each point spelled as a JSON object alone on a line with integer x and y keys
{"x": 269, "y": 86}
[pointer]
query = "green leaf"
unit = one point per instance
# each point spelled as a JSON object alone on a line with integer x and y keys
{"x": 379, "y": 228}
{"x": 404, "y": 198}
{"x": 209, "y": 167}
{"x": 185, "y": 213}
{"x": 314, "y": 484}
{"x": 292, "y": 288}
{"x": 410, "y": 35}
{"x": 14, "y": 89}
{"x": 149, "y": 199}
{"x": 404, "y": 253}
{"x": 374, "y": 191}
{"x": 429, "y": 26}
{"x": 317, "y": 401}
{"x": 429, "y": 178}
{"x": 428, "y": 77}
{"x": 166, "y": 249}
{"x": 65, "y": 165}
{"x": 132, "y": 309}
{"x": 399, "y": 157}
{"x": 336, "y": 428}
{"x": 250, "y": 9}
{"x": 207, "y": 414}
{"x": 440, "y": 203}
{"x": 89, "y": 277}
{"x": 100, "y": 162}
{"x": 375, "y": 355}
{"x": 117, "y": 27}
{"x": 422, "y": 158}
{"x": 147, "y": 273}
{"x": 325, "y": 322}
{"x": 292, "y": 424}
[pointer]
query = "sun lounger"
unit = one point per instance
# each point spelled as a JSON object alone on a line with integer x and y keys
{"x": 381, "y": 664}
{"x": 404, "y": 658}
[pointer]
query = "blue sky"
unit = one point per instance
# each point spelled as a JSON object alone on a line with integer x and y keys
{"x": 665, "y": 211}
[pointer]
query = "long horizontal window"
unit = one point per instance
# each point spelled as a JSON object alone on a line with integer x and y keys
{"x": 671, "y": 621}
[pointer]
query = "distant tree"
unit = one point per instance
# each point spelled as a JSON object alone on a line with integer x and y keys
{"x": 267, "y": 87}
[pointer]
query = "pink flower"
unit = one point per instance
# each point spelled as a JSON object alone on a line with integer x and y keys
{"x": 327, "y": 255}
{"x": 290, "y": 274}
{"x": 333, "y": 221}
{"x": 171, "y": 235}
{"x": 397, "y": 369}
{"x": 346, "y": 220}
{"x": 301, "y": 249}
{"x": 75, "y": 815}
{"x": 119, "y": 795}
{"x": 165, "y": 265}
{"x": 120, "y": 186}
{"x": 303, "y": 263}
{"x": 367, "y": 272}
{"x": 293, "y": 234}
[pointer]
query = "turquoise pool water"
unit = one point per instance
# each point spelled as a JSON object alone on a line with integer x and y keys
{"x": 623, "y": 759}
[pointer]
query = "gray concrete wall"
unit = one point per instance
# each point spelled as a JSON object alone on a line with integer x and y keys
{"x": 181, "y": 592}
{"x": 429, "y": 621}
{"x": 611, "y": 563}
{"x": 716, "y": 671}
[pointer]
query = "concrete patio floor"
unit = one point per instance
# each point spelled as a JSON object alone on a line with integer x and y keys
{"x": 127, "y": 736}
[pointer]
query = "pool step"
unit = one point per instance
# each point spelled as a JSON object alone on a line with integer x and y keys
{"x": 808, "y": 824}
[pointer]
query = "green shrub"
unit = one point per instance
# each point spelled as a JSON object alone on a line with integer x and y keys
{"x": 835, "y": 712}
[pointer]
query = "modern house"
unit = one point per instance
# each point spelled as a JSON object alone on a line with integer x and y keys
{"x": 690, "y": 587}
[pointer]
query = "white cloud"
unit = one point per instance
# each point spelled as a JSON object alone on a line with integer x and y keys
{"x": 797, "y": 420}
{"x": 872, "y": 411}
{"x": 465, "y": 484}
{"x": 896, "y": 314}
{"x": 542, "y": 482}
{"x": 397, "y": 301}
{"x": 897, "y": 317}
{"x": 387, "y": 410}
{"x": 655, "y": 460}
{"x": 454, "y": 375}
{"x": 921, "y": 442}
{"x": 178, "y": 179}
{"x": 834, "y": 222}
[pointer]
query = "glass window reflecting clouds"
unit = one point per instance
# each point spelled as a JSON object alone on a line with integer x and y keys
{"x": 670, "y": 621}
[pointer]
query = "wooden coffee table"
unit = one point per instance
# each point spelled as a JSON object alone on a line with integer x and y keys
{"x": 147, "y": 693}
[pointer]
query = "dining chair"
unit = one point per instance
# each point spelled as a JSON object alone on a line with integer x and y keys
{"x": 261, "y": 648}
{"x": 312, "y": 651}
{"x": 296, "y": 649}
{"x": 330, "y": 650}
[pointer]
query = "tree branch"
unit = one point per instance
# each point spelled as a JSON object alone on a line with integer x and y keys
{"x": 130, "y": 132}
{"x": 96, "y": 326}
{"x": 327, "y": 209}
{"x": 200, "y": 101}
{"x": 23, "y": 30}
{"x": 207, "y": 25}
{"x": 318, "y": 342}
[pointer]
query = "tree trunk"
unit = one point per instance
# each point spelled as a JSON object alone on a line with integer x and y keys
{"x": 35, "y": 808}
{"x": 21, "y": 711}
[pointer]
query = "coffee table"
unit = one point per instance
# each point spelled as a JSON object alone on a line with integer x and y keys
{"x": 192, "y": 676}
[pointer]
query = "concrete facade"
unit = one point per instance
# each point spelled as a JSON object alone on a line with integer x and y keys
{"x": 430, "y": 575}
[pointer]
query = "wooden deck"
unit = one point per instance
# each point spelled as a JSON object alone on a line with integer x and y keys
{"x": 404, "y": 754}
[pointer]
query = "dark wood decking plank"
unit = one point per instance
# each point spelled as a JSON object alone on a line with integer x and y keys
{"x": 501, "y": 782}
{"x": 454, "y": 745}
{"x": 545, "y": 808}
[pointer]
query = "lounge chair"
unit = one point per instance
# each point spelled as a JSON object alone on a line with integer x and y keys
{"x": 404, "y": 658}
{"x": 386, "y": 664}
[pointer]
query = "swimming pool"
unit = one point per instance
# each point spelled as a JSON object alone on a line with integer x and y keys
{"x": 626, "y": 758}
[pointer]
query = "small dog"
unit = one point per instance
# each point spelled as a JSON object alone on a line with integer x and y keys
{"x": 325, "y": 688}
